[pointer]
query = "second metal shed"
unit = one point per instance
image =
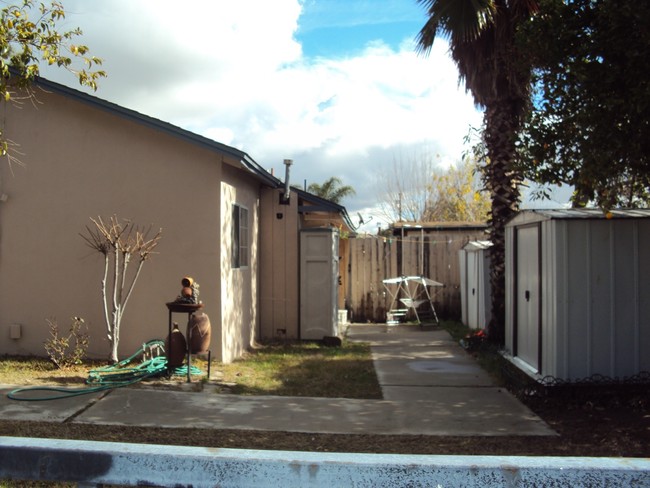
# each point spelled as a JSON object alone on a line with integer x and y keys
{"x": 475, "y": 284}
{"x": 578, "y": 292}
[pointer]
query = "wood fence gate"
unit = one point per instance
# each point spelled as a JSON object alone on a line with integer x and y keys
{"x": 433, "y": 254}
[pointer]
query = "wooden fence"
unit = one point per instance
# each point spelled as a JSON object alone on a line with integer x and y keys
{"x": 433, "y": 254}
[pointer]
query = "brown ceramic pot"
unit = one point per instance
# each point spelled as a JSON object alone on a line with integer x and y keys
{"x": 175, "y": 347}
{"x": 199, "y": 332}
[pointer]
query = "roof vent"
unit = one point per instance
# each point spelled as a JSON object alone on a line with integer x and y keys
{"x": 287, "y": 186}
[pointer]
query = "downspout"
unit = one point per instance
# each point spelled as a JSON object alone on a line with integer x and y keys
{"x": 285, "y": 201}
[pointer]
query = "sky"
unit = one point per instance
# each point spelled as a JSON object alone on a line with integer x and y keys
{"x": 334, "y": 85}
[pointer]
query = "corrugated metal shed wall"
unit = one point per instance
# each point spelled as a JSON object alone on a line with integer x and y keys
{"x": 554, "y": 273}
{"x": 595, "y": 287}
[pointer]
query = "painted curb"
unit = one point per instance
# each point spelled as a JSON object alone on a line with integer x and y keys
{"x": 92, "y": 463}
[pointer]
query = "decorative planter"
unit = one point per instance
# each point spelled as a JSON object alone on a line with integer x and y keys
{"x": 175, "y": 347}
{"x": 199, "y": 331}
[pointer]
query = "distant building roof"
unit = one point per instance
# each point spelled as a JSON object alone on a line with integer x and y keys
{"x": 397, "y": 227}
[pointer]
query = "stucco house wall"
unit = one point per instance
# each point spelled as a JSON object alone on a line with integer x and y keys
{"x": 85, "y": 158}
{"x": 279, "y": 272}
{"x": 239, "y": 291}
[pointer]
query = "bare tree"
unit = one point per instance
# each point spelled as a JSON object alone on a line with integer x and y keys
{"x": 119, "y": 242}
{"x": 405, "y": 191}
{"x": 420, "y": 189}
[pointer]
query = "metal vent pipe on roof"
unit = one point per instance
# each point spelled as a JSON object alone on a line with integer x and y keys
{"x": 287, "y": 186}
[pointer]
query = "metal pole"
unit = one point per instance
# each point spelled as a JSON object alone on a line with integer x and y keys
{"x": 421, "y": 251}
{"x": 401, "y": 271}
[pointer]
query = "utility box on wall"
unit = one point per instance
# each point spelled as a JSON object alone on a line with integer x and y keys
{"x": 578, "y": 292}
{"x": 475, "y": 284}
{"x": 318, "y": 283}
{"x": 15, "y": 331}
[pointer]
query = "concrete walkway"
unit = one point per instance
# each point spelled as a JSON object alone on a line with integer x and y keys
{"x": 430, "y": 385}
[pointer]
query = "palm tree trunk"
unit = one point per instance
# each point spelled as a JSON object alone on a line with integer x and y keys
{"x": 502, "y": 182}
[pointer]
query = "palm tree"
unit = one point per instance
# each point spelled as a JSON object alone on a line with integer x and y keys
{"x": 481, "y": 36}
{"x": 332, "y": 190}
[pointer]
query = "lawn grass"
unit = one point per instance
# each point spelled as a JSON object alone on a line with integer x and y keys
{"x": 36, "y": 371}
{"x": 307, "y": 369}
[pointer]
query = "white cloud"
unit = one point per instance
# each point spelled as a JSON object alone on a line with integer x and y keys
{"x": 233, "y": 71}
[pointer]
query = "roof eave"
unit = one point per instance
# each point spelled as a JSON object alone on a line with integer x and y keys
{"x": 324, "y": 205}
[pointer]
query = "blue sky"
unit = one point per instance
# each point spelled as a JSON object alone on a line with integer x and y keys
{"x": 334, "y": 85}
{"x": 333, "y": 28}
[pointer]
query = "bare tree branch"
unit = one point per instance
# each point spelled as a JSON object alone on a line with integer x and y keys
{"x": 119, "y": 242}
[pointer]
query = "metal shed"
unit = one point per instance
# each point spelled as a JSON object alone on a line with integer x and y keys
{"x": 578, "y": 292}
{"x": 475, "y": 284}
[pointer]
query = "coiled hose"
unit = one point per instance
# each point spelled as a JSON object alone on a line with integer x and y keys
{"x": 118, "y": 375}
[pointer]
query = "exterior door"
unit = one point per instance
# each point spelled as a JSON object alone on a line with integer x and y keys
{"x": 527, "y": 295}
{"x": 318, "y": 283}
{"x": 473, "y": 291}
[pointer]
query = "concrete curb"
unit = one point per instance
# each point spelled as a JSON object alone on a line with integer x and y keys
{"x": 91, "y": 463}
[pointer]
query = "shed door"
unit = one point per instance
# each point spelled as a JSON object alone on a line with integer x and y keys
{"x": 527, "y": 296}
{"x": 318, "y": 283}
{"x": 473, "y": 291}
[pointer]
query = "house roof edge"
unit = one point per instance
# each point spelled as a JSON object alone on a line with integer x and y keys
{"x": 245, "y": 159}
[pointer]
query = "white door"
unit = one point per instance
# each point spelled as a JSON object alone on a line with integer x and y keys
{"x": 527, "y": 296}
{"x": 473, "y": 291}
{"x": 318, "y": 283}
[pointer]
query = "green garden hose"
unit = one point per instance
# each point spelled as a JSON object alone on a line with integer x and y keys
{"x": 115, "y": 376}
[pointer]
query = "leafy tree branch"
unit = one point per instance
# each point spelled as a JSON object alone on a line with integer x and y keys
{"x": 29, "y": 37}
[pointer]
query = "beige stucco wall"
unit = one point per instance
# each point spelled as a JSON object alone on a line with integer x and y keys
{"x": 279, "y": 278}
{"x": 82, "y": 162}
{"x": 239, "y": 291}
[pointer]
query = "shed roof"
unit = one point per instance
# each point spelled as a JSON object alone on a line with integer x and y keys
{"x": 578, "y": 213}
{"x": 314, "y": 203}
{"x": 595, "y": 213}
